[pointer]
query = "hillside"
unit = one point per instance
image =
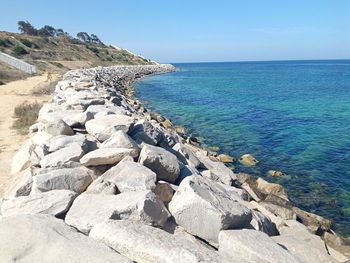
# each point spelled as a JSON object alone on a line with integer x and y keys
{"x": 60, "y": 54}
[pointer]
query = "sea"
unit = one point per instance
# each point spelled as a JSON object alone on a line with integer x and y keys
{"x": 292, "y": 116}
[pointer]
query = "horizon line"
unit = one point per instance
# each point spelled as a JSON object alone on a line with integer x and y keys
{"x": 243, "y": 61}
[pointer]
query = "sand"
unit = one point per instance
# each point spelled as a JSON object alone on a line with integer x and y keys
{"x": 11, "y": 95}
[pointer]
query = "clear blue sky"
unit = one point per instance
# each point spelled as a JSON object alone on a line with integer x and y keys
{"x": 205, "y": 30}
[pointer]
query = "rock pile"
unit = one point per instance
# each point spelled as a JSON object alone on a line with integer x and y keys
{"x": 104, "y": 180}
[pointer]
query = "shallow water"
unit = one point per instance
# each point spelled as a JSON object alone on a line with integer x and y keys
{"x": 293, "y": 116}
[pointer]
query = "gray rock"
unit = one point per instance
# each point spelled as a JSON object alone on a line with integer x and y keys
{"x": 145, "y": 132}
{"x": 146, "y": 244}
{"x": 121, "y": 140}
{"x": 218, "y": 169}
{"x": 125, "y": 176}
{"x": 103, "y": 127}
{"x": 186, "y": 156}
{"x": 21, "y": 160}
{"x": 253, "y": 246}
{"x": 71, "y": 153}
{"x": 91, "y": 209}
{"x": 58, "y": 127}
{"x": 160, "y": 161}
{"x": 279, "y": 210}
{"x": 56, "y": 203}
{"x": 304, "y": 250}
{"x": 78, "y": 118}
{"x": 61, "y": 141}
{"x": 204, "y": 208}
{"x": 76, "y": 179}
{"x": 43, "y": 238}
{"x": 105, "y": 109}
{"x": 105, "y": 156}
{"x": 262, "y": 223}
{"x": 22, "y": 184}
{"x": 165, "y": 191}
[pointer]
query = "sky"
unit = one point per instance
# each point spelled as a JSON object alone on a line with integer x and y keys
{"x": 199, "y": 31}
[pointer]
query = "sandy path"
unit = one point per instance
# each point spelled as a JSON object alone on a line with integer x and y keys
{"x": 11, "y": 95}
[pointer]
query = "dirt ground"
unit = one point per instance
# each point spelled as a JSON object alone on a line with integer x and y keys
{"x": 11, "y": 95}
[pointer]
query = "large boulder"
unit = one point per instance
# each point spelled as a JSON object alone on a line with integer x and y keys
{"x": 121, "y": 140}
{"x": 304, "y": 250}
{"x": 160, "y": 161}
{"x": 165, "y": 191}
{"x": 263, "y": 223}
{"x": 125, "y": 176}
{"x": 253, "y": 246}
{"x": 105, "y": 110}
{"x": 220, "y": 172}
{"x": 314, "y": 222}
{"x": 204, "y": 208}
{"x": 77, "y": 119}
{"x": 105, "y": 156}
{"x": 72, "y": 153}
{"x": 56, "y": 203}
{"x": 61, "y": 141}
{"x": 90, "y": 209}
{"x": 22, "y": 184}
{"x": 270, "y": 188}
{"x": 145, "y": 132}
{"x": 102, "y": 128}
{"x": 21, "y": 160}
{"x": 43, "y": 238}
{"x": 76, "y": 179}
{"x": 56, "y": 127}
{"x": 146, "y": 244}
{"x": 186, "y": 156}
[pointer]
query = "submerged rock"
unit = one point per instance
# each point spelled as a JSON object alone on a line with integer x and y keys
{"x": 248, "y": 159}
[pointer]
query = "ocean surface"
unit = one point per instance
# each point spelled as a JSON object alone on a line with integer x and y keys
{"x": 293, "y": 116}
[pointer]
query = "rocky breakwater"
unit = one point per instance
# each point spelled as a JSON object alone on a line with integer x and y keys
{"x": 104, "y": 180}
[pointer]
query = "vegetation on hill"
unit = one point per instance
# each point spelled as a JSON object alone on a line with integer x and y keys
{"x": 54, "y": 50}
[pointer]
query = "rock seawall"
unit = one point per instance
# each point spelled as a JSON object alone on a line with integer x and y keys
{"x": 122, "y": 185}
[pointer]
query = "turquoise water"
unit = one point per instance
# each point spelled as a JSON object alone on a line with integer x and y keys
{"x": 293, "y": 116}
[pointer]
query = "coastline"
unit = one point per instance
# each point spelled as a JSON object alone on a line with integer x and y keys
{"x": 114, "y": 85}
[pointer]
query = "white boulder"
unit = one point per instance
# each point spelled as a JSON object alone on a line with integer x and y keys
{"x": 90, "y": 209}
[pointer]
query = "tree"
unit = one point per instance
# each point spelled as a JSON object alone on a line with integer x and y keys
{"x": 95, "y": 39}
{"x": 26, "y": 28}
{"x": 47, "y": 31}
{"x": 60, "y": 32}
{"x": 83, "y": 36}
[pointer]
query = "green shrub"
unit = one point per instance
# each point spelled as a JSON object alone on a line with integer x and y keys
{"x": 93, "y": 49}
{"x": 18, "y": 50}
{"x": 59, "y": 65}
{"x": 2, "y": 83}
{"x": 5, "y": 42}
{"x": 26, "y": 42}
{"x": 29, "y": 43}
{"x": 109, "y": 59}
